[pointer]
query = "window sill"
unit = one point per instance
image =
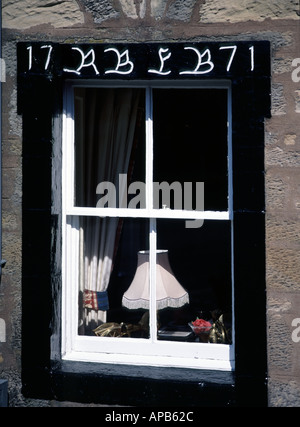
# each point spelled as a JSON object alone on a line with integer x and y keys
{"x": 161, "y": 362}
{"x": 141, "y": 385}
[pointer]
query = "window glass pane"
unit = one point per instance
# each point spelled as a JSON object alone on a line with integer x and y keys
{"x": 109, "y": 143}
{"x": 200, "y": 260}
{"x": 190, "y": 145}
{"x": 107, "y": 255}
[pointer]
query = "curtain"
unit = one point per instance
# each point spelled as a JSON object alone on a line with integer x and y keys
{"x": 102, "y": 152}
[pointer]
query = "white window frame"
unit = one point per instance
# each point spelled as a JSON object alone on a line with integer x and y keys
{"x": 135, "y": 351}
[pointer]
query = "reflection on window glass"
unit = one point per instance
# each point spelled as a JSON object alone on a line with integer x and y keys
{"x": 190, "y": 144}
{"x": 107, "y": 265}
{"x": 109, "y": 140}
{"x": 193, "y": 280}
{"x": 201, "y": 262}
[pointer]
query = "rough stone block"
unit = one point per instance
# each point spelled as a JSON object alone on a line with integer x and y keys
{"x": 247, "y": 10}
{"x": 26, "y": 14}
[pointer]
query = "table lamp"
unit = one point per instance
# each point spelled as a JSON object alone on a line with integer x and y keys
{"x": 169, "y": 292}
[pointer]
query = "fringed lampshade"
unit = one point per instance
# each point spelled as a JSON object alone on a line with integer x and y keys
{"x": 169, "y": 292}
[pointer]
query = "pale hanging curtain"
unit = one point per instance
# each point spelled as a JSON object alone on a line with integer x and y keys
{"x": 110, "y": 118}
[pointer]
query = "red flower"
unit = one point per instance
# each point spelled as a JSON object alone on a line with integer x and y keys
{"x": 201, "y": 325}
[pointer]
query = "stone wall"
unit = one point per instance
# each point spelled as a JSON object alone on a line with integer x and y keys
{"x": 165, "y": 20}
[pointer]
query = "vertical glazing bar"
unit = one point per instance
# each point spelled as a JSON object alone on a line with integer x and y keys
{"x": 149, "y": 205}
{"x": 152, "y": 275}
{"x": 149, "y": 149}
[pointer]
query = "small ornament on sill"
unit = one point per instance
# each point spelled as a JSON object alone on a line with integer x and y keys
{"x": 200, "y": 326}
{"x": 220, "y": 332}
{"x": 201, "y": 329}
{"x": 95, "y": 300}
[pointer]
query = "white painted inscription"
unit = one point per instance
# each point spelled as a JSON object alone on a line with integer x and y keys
{"x": 48, "y": 56}
{"x": 124, "y": 65}
{"x": 84, "y": 57}
{"x": 207, "y": 55}
{"x": 29, "y": 57}
{"x": 162, "y": 62}
{"x": 233, "y": 48}
{"x": 123, "y": 61}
